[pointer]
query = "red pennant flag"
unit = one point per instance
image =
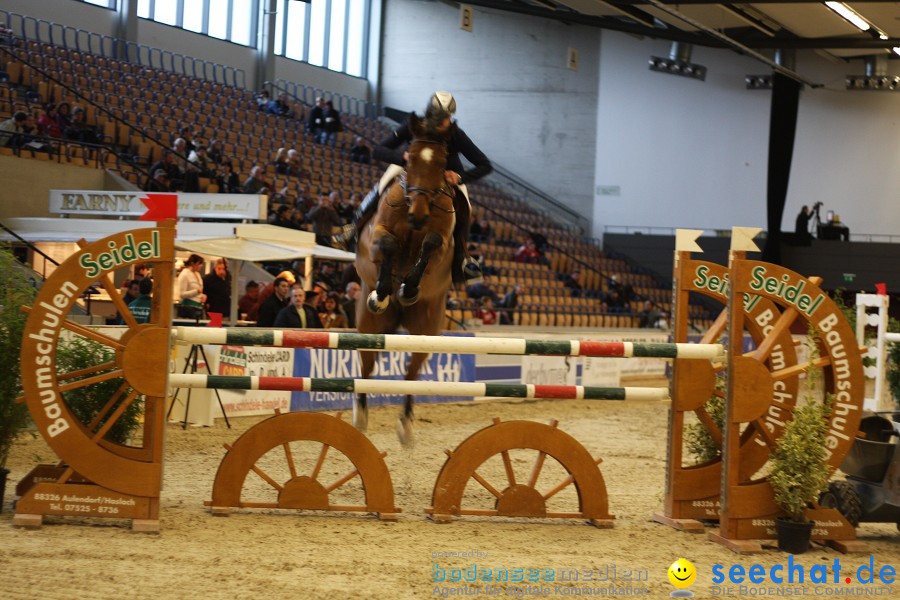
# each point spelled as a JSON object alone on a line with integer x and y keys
{"x": 160, "y": 207}
{"x": 215, "y": 319}
{"x": 881, "y": 289}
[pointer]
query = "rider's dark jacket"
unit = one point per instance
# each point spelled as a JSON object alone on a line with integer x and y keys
{"x": 391, "y": 150}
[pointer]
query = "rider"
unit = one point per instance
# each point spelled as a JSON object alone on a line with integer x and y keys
{"x": 440, "y": 108}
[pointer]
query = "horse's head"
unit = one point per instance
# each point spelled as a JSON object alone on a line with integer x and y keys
{"x": 425, "y": 184}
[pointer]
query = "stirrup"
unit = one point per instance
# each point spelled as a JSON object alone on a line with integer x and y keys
{"x": 472, "y": 271}
{"x": 344, "y": 239}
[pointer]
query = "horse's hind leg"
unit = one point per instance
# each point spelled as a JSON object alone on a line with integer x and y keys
{"x": 360, "y": 406}
{"x": 386, "y": 245}
{"x": 405, "y": 423}
{"x": 409, "y": 290}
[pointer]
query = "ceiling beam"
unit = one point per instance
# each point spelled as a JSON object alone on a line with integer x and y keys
{"x": 688, "y": 2}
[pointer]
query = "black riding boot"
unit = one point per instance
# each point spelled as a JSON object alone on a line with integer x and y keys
{"x": 346, "y": 239}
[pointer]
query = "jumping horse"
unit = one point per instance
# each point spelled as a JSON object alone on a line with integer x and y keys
{"x": 404, "y": 258}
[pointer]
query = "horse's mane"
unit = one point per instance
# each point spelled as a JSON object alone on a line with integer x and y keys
{"x": 426, "y": 129}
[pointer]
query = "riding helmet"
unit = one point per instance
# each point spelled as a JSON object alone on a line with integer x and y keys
{"x": 441, "y": 106}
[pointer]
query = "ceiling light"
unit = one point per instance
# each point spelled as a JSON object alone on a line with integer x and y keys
{"x": 897, "y": 50}
{"x": 846, "y": 12}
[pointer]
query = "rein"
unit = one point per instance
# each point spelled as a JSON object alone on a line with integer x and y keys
{"x": 432, "y": 193}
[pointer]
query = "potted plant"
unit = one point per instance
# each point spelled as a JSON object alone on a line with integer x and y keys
{"x": 16, "y": 290}
{"x": 799, "y": 471}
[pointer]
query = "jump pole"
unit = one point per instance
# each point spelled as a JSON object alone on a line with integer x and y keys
{"x": 443, "y": 344}
{"x": 415, "y": 387}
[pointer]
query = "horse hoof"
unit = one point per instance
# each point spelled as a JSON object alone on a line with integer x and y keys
{"x": 375, "y": 305}
{"x": 403, "y": 300}
{"x": 360, "y": 416}
{"x": 405, "y": 432}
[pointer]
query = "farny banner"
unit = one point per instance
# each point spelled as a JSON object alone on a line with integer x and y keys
{"x": 335, "y": 364}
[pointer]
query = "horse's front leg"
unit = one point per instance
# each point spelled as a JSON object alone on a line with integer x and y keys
{"x": 409, "y": 290}
{"x": 386, "y": 247}
{"x": 405, "y": 423}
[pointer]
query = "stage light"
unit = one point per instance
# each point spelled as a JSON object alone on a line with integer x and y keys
{"x": 758, "y": 82}
{"x": 847, "y": 13}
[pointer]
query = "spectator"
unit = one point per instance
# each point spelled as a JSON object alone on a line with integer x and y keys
{"x": 282, "y": 216}
{"x": 187, "y": 135}
{"x": 217, "y": 287}
{"x": 14, "y": 131}
{"x": 573, "y": 282}
{"x": 479, "y": 230}
{"x": 650, "y": 317}
{"x": 281, "y": 107}
{"x": 626, "y": 292}
{"x": 297, "y": 314}
{"x": 349, "y": 303}
{"x": 271, "y": 307}
{"x": 248, "y": 304}
{"x": 131, "y": 293}
{"x": 486, "y": 313}
{"x": 262, "y": 100}
{"x": 190, "y": 288}
{"x": 294, "y": 163}
{"x": 201, "y": 161}
{"x": 360, "y": 152}
{"x": 343, "y": 209}
{"x": 140, "y": 306}
{"x": 257, "y": 182}
{"x": 479, "y": 290}
{"x": 328, "y": 276}
{"x": 167, "y": 165}
{"x": 316, "y": 119}
{"x": 538, "y": 238}
{"x": 230, "y": 179}
{"x": 281, "y": 163}
{"x": 159, "y": 182}
{"x": 331, "y": 125}
{"x": 527, "y": 253}
{"x": 509, "y": 302}
{"x": 324, "y": 219}
{"x": 615, "y": 303}
{"x": 215, "y": 152}
{"x": 47, "y": 123}
{"x": 186, "y": 172}
{"x": 332, "y": 315}
{"x": 304, "y": 201}
{"x": 63, "y": 115}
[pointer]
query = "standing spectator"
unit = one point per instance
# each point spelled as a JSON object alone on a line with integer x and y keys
{"x": 131, "y": 293}
{"x": 257, "y": 182}
{"x": 47, "y": 123}
{"x": 324, "y": 219}
{"x": 316, "y": 118}
{"x": 217, "y": 286}
{"x": 270, "y": 308}
{"x": 360, "y": 152}
{"x": 509, "y": 302}
{"x": 297, "y": 314}
{"x": 332, "y": 315}
{"x": 140, "y": 306}
{"x": 248, "y": 304}
{"x": 486, "y": 313}
{"x": 190, "y": 288}
{"x": 332, "y": 125}
{"x": 349, "y": 303}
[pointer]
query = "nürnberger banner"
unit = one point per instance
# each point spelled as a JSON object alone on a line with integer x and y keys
{"x": 128, "y": 204}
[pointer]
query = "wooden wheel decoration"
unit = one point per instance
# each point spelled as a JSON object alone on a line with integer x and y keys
{"x": 748, "y": 507}
{"x": 514, "y": 498}
{"x": 95, "y": 477}
{"x": 303, "y": 491}
{"x": 693, "y": 490}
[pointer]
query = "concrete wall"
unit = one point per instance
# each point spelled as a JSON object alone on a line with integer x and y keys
{"x": 27, "y": 182}
{"x": 517, "y": 99}
{"x": 319, "y": 77}
{"x": 75, "y": 14}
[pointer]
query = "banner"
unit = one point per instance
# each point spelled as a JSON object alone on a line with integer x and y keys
{"x": 251, "y": 361}
{"x": 549, "y": 370}
{"x": 333, "y": 364}
{"x": 128, "y": 204}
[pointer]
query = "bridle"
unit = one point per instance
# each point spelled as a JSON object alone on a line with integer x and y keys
{"x": 432, "y": 193}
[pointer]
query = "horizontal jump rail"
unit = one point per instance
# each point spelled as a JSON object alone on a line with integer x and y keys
{"x": 450, "y": 344}
{"x": 400, "y": 387}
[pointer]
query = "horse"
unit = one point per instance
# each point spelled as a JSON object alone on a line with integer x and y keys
{"x": 409, "y": 241}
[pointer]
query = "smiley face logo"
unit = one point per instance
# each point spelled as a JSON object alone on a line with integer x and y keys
{"x": 682, "y": 574}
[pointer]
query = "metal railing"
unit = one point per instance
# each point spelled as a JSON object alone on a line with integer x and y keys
{"x": 883, "y": 238}
{"x": 346, "y": 105}
{"x": 32, "y": 29}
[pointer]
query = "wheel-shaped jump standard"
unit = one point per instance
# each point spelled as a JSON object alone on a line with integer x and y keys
{"x": 692, "y": 490}
{"x": 304, "y": 492}
{"x": 748, "y": 508}
{"x": 96, "y": 477}
{"x": 515, "y": 499}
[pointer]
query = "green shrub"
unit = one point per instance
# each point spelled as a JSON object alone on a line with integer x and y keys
{"x": 17, "y": 289}
{"x": 80, "y": 353}
{"x": 697, "y": 440}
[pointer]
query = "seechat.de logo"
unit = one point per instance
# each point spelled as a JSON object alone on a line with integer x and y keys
{"x": 682, "y": 575}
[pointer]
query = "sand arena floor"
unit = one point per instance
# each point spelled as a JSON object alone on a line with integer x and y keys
{"x": 287, "y": 554}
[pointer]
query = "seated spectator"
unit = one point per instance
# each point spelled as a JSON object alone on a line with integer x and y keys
{"x": 140, "y": 306}
{"x": 201, "y": 161}
{"x": 626, "y": 292}
{"x": 360, "y": 152}
{"x": 283, "y": 107}
{"x": 295, "y": 165}
{"x": 217, "y": 287}
{"x": 79, "y": 130}
{"x": 332, "y": 315}
{"x": 63, "y": 115}
{"x": 650, "y": 317}
{"x": 479, "y": 230}
{"x": 159, "y": 182}
{"x": 186, "y": 173}
{"x": 186, "y": 133}
{"x": 479, "y": 290}
{"x": 281, "y": 216}
{"x": 316, "y": 118}
{"x": 215, "y": 152}
{"x": 166, "y": 164}
{"x": 257, "y": 182}
{"x": 573, "y": 282}
{"x": 298, "y": 314}
{"x": 270, "y": 307}
{"x": 327, "y": 276}
{"x": 14, "y": 131}
{"x": 231, "y": 182}
{"x": 248, "y": 306}
{"x": 508, "y": 304}
{"x": 47, "y": 123}
{"x": 281, "y": 163}
{"x": 331, "y": 125}
{"x": 486, "y": 313}
{"x": 538, "y": 238}
{"x": 262, "y": 99}
{"x": 615, "y": 303}
{"x": 527, "y": 253}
